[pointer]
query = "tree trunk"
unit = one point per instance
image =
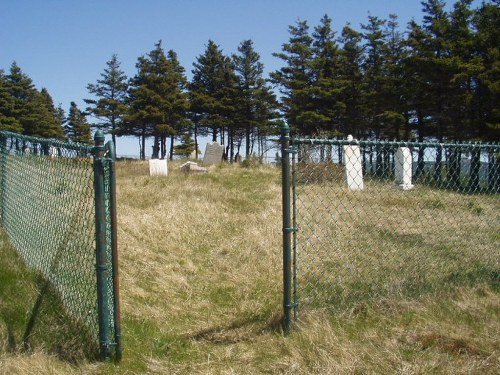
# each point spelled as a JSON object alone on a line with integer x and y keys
{"x": 171, "y": 151}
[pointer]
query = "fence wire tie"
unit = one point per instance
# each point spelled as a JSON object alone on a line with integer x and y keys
{"x": 291, "y": 230}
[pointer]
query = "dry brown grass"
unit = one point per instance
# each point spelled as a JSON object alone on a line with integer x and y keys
{"x": 200, "y": 259}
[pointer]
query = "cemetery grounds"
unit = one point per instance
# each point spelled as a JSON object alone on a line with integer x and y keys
{"x": 201, "y": 284}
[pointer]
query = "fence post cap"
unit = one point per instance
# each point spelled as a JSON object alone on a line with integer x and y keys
{"x": 99, "y": 137}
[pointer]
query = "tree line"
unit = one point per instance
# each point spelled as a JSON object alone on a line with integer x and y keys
{"x": 436, "y": 80}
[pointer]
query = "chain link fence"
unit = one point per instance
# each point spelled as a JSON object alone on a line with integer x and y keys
{"x": 374, "y": 220}
{"x": 49, "y": 203}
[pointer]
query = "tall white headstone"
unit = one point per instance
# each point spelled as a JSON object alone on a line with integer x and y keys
{"x": 353, "y": 167}
{"x": 403, "y": 168}
{"x": 158, "y": 167}
{"x": 213, "y": 154}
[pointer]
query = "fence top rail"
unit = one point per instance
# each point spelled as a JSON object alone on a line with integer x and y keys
{"x": 344, "y": 142}
{"x": 80, "y": 147}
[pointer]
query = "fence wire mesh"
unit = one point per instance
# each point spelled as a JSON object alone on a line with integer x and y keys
{"x": 379, "y": 219}
{"x": 48, "y": 212}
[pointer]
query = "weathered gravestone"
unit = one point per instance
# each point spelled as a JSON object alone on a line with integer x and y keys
{"x": 192, "y": 167}
{"x": 353, "y": 168}
{"x": 158, "y": 167}
{"x": 213, "y": 154}
{"x": 403, "y": 168}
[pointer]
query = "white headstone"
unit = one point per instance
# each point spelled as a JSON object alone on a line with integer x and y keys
{"x": 403, "y": 168}
{"x": 213, "y": 154}
{"x": 158, "y": 167}
{"x": 353, "y": 167}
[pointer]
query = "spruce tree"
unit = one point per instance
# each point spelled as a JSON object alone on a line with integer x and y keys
{"x": 157, "y": 99}
{"x": 351, "y": 78}
{"x": 33, "y": 109}
{"x": 487, "y": 93}
{"x": 256, "y": 104}
{"x": 77, "y": 128}
{"x": 213, "y": 91}
{"x": 295, "y": 79}
{"x": 395, "y": 116}
{"x": 8, "y": 119}
{"x": 111, "y": 92}
{"x": 328, "y": 105}
{"x": 375, "y": 73}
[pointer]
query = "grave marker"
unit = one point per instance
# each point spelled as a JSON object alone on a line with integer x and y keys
{"x": 158, "y": 167}
{"x": 192, "y": 167}
{"x": 213, "y": 154}
{"x": 353, "y": 168}
{"x": 403, "y": 168}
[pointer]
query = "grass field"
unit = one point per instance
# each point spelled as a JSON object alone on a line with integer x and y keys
{"x": 201, "y": 270}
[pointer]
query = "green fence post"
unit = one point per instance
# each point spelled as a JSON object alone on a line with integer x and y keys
{"x": 3, "y": 151}
{"x": 114, "y": 251}
{"x": 100, "y": 233}
{"x": 287, "y": 229}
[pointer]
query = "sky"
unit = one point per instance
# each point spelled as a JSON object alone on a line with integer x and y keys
{"x": 63, "y": 45}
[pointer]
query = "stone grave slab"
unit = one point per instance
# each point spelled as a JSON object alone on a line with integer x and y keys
{"x": 192, "y": 167}
{"x": 403, "y": 168}
{"x": 158, "y": 167}
{"x": 353, "y": 167}
{"x": 213, "y": 154}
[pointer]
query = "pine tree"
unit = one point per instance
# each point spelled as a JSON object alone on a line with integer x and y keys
{"x": 186, "y": 147}
{"x": 33, "y": 109}
{"x": 8, "y": 120}
{"x": 327, "y": 86}
{"x": 351, "y": 78}
{"x": 375, "y": 73}
{"x": 77, "y": 128}
{"x": 111, "y": 92}
{"x": 157, "y": 99}
{"x": 256, "y": 107}
{"x": 394, "y": 117}
{"x": 49, "y": 123}
{"x": 213, "y": 91}
{"x": 295, "y": 80}
{"x": 487, "y": 92}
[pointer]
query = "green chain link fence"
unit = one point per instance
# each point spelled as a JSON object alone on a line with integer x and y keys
{"x": 368, "y": 220}
{"x": 58, "y": 208}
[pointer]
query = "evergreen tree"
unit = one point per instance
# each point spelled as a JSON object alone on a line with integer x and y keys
{"x": 8, "y": 120}
{"x": 487, "y": 92}
{"x": 438, "y": 64}
{"x": 157, "y": 99}
{"x": 77, "y": 128}
{"x": 186, "y": 147}
{"x": 295, "y": 80}
{"x": 351, "y": 78}
{"x": 23, "y": 92}
{"x": 50, "y": 124}
{"x": 327, "y": 86}
{"x": 256, "y": 105}
{"x": 394, "y": 118}
{"x": 213, "y": 90}
{"x": 33, "y": 110}
{"x": 111, "y": 92}
{"x": 374, "y": 67}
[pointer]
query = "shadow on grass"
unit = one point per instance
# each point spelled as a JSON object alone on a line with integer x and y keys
{"x": 242, "y": 330}
{"x": 32, "y": 316}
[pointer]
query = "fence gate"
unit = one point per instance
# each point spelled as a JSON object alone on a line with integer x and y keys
{"x": 58, "y": 208}
{"x": 364, "y": 220}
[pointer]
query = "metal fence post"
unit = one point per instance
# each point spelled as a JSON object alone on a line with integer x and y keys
{"x": 114, "y": 251}
{"x": 100, "y": 233}
{"x": 3, "y": 150}
{"x": 287, "y": 229}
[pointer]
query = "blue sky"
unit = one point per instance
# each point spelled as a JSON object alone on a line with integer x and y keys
{"x": 64, "y": 45}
